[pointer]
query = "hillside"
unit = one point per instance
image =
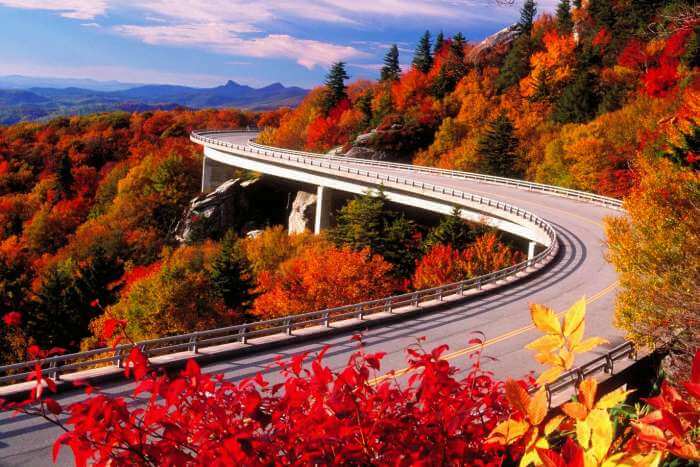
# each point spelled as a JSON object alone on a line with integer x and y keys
{"x": 41, "y": 102}
{"x": 570, "y": 99}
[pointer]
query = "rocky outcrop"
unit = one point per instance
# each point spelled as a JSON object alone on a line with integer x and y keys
{"x": 303, "y": 212}
{"x": 483, "y": 49}
{"x": 215, "y": 212}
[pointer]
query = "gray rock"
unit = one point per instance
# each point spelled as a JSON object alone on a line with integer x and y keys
{"x": 303, "y": 212}
{"x": 217, "y": 210}
{"x": 504, "y": 36}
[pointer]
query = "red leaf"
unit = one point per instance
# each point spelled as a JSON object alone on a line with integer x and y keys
{"x": 695, "y": 371}
{"x": 12, "y": 319}
{"x": 53, "y": 406}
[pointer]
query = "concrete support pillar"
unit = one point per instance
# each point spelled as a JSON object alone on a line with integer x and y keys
{"x": 206, "y": 175}
{"x": 531, "y": 250}
{"x": 323, "y": 209}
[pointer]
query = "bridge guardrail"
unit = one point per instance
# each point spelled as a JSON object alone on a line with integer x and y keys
{"x": 56, "y": 366}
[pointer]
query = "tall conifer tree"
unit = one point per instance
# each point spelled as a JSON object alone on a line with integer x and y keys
{"x": 423, "y": 58}
{"x": 391, "y": 71}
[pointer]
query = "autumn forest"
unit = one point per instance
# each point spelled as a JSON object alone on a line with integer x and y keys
{"x": 601, "y": 96}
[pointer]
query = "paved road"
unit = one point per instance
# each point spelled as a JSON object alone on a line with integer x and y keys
{"x": 579, "y": 270}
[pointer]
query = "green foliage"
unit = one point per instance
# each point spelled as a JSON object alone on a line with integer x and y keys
{"x": 423, "y": 58}
{"x": 516, "y": 65}
{"x": 367, "y": 222}
{"x": 498, "y": 148}
{"x": 64, "y": 174}
{"x": 439, "y": 42}
{"x": 565, "y": 24}
{"x": 391, "y": 71}
{"x": 579, "y": 101}
{"x": 453, "y": 230}
{"x": 691, "y": 57}
{"x": 527, "y": 17}
{"x": 336, "y": 90}
{"x": 232, "y": 274}
{"x": 62, "y": 311}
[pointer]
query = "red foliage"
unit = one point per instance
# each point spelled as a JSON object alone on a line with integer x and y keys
{"x": 13, "y": 318}
{"x": 315, "y": 416}
{"x": 659, "y": 81}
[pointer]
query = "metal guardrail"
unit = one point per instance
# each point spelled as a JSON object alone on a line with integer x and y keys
{"x": 56, "y": 366}
{"x": 604, "y": 363}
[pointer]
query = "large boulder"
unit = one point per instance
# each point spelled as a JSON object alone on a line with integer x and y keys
{"x": 303, "y": 212}
{"x": 216, "y": 212}
{"x": 495, "y": 42}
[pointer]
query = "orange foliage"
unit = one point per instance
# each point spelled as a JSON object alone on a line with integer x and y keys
{"x": 322, "y": 276}
{"x": 443, "y": 264}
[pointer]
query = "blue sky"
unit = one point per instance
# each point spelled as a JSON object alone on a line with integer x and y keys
{"x": 206, "y": 42}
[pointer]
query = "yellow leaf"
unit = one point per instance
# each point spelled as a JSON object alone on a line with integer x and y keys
{"x": 601, "y": 433}
{"x": 537, "y": 409}
{"x": 553, "y": 424}
{"x": 544, "y": 319}
{"x": 567, "y": 358}
{"x": 622, "y": 459}
{"x": 517, "y": 396}
{"x": 574, "y": 317}
{"x": 531, "y": 456}
{"x": 583, "y": 434}
{"x": 547, "y": 343}
{"x": 589, "y": 344}
{"x": 507, "y": 432}
{"x": 587, "y": 391}
{"x": 549, "y": 375}
{"x": 612, "y": 399}
{"x": 575, "y": 410}
{"x": 546, "y": 358}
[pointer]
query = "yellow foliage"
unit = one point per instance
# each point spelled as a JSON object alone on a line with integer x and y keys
{"x": 562, "y": 341}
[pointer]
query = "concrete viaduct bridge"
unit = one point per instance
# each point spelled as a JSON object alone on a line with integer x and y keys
{"x": 566, "y": 262}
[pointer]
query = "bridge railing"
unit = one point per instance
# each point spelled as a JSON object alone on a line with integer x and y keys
{"x": 491, "y": 179}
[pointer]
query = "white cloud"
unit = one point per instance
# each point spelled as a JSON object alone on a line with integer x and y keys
{"x": 227, "y": 39}
{"x": 75, "y": 9}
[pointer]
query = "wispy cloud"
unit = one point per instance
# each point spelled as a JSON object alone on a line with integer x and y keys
{"x": 75, "y": 9}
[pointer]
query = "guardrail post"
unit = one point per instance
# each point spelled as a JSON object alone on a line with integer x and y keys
{"x": 360, "y": 314}
{"x": 288, "y": 324}
{"x": 193, "y": 344}
{"x": 387, "y": 306}
{"x": 439, "y": 295}
{"x": 118, "y": 358}
{"x": 478, "y": 284}
{"x": 415, "y": 300}
{"x": 326, "y": 321}
{"x": 461, "y": 289}
{"x": 55, "y": 373}
{"x": 243, "y": 335}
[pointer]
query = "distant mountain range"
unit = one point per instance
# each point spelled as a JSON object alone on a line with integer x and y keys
{"x": 28, "y": 98}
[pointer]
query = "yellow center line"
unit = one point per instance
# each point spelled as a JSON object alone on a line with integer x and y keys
{"x": 490, "y": 342}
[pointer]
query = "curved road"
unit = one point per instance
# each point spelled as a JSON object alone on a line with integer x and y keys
{"x": 579, "y": 270}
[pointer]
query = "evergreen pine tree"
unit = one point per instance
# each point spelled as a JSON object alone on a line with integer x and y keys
{"x": 498, "y": 148}
{"x": 516, "y": 65}
{"x": 579, "y": 101}
{"x": 64, "y": 174}
{"x": 439, "y": 42}
{"x": 452, "y": 230}
{"x": 61, "y": 314}
{"x": 335, "y": 86}
{"x": 527, "y": 17}
{"x": 367, "y": 222}
{"x": 423, "y": 58}
{"x": 565, "y": 24}
{"x": 457, "y": 46}
{"x": 391, "y": 71}
{"x": 232, "y": 274}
